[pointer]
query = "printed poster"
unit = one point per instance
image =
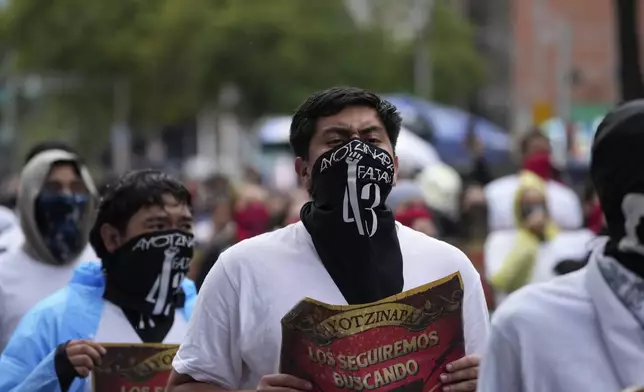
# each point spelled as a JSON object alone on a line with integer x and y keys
{"x": 134, "y": 368}
{"x": 401, "y": 343}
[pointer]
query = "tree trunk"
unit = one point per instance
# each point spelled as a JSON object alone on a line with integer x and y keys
{"x": 630, "y": 77}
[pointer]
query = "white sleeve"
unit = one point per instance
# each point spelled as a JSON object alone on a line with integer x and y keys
{"x": 501, "y": 366}
{"x": 210, "y": 351}
{"x": 476, "y": 319}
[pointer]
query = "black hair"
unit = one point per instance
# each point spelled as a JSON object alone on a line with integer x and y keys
{"x": 131, "y": 192}
{"x": 533, "y": 134}
{"x": 46, "y": 146}
{"x": 106, "y": 183}
{"x": 332, "y": 101}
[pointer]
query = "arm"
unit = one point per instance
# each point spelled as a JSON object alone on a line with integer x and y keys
{"x": 501, "y": 365}
{"x": 213, "y": 357}
{"x": 476, "y": 318}
{"x": 27, "y": 363}
{"x": 517, "y": 267}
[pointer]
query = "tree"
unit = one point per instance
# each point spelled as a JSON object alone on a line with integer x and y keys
{"x": 276, "y": 52}
{"x": 177, "y": 54}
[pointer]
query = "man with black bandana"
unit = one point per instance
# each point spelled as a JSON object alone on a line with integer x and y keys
{"x": 56, "y": 204}
{"x": 136, "y": 294}
{"x": 585, "y": 331}
{"x": 348, "y": 249}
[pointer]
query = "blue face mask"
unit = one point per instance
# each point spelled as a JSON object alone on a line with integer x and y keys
{"x": 58, "y": 217}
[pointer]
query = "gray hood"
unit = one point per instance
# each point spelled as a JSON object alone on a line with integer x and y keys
{"x": 32, "y": 179}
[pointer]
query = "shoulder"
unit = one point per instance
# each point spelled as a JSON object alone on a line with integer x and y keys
{"x": 429, "y": 251}
{"x": 576, "y": 241}
{"x": 501, "y": 184}
{"x": 271, "y": 244}
{"x": 535, "y": 308}
{"x": 48, "y": 312}
{"x": 559, "y": 190}
{"x": 269, "y": 248}
{"x": 412, "y": 240}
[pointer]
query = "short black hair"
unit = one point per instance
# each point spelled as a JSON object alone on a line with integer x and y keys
{"x": 533, "y": 134}
{"x": 127, "y": 195}
{"x": 332, "y": 101}
{"x": 46, "y": 146}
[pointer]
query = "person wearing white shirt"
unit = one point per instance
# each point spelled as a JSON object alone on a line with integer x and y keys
{"x": 344, "y": 141}
{"x": 565, "y": 204}
{"x": 584, "y": 331}
{"x": 56, "y": 203}
{"x": 135, "y": 294}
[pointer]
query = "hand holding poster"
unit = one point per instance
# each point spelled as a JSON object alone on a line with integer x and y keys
{"x": 134, "y": 368}
{"x": 401, "y": 343}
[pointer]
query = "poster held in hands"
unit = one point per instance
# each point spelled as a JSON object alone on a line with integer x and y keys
{"x": 134, "y": 368}
{"x": 401, "y": 343}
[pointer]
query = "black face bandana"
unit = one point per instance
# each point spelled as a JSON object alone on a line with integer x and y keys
{"x": 353, "y": 232}
{"x": 144, "y": 278}
{"x": 616, "y": 171}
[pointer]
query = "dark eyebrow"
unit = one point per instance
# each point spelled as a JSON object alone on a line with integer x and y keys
{"x": 337, "y": 130}
{"x": 371, "y": 129}
{"x": 157, "y": 218}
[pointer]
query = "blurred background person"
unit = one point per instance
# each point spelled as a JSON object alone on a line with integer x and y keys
{"x": 531, "y": 253}
{"x": 13, "y": 236}
{"x": 474, "y": 231}
{"x": 536, "y": 158}
{"x": 407, "y": 202}
{"x": 56, "y": 203}
{"x": 243, "y": 215}
{"x": 593, "y": 214}
{"x": 224, "y": 235}
{"x": 593, "y": 317}
{"x": 441, "y": 187}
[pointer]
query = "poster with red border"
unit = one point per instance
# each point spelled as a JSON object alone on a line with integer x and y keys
{"x": 134, "y": 368}
{"x": 401, "y": 343}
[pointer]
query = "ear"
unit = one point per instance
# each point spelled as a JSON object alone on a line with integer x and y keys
{"x": 395, "y": 170}
{"x": 110, "y": 237}
{"x": 303, "y": 171}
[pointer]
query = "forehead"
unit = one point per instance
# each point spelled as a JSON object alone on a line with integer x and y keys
{"x": 354, "y": 118}
{"x": 171, "y": 208}
{"x": 63, "y": 171}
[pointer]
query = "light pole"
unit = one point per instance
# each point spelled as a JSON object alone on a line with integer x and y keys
{"x": 420, "y": 20}
{"x": 564, "y": 70}
{"x": 120, "y": 135}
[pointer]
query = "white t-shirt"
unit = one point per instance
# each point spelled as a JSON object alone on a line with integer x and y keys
{"x": 569, "y": 334}
{"x": 24, "y": 282}
{"x": 234, "y": 336}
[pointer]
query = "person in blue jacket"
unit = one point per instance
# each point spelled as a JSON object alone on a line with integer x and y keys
{"x": 137, "y": 293}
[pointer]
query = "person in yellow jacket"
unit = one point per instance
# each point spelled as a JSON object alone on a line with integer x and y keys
{"x": 534, "y": 229}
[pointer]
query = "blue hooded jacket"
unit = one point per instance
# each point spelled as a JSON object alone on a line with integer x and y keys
{"x": 72, "y": 313}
